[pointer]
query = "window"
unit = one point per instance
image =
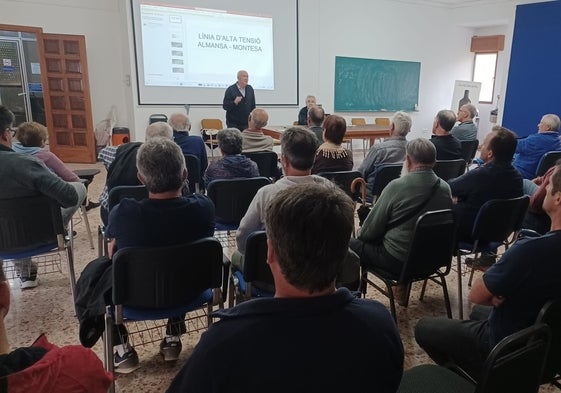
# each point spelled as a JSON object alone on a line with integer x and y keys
{"x": 484, "y": 72}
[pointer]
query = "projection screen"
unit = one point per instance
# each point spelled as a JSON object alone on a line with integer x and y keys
{"x": 189, "y": 52}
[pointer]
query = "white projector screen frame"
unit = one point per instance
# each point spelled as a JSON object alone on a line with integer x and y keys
{"x": 258, "y": 36}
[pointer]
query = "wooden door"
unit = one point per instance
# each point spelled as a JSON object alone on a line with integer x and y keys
{"x": 67, "y": 98}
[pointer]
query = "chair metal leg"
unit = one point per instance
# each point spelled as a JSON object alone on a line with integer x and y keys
{"x": 470, "y": 277}
{"x": 460, "y": 296}
{"x": 392, "y": 301}
{"x": 87, "y": 223}
{"x": 108, "y": 346}
{"x": 423, "y": 290}
{"x": 72, "y": 274}
{"x": 446, "y": 297}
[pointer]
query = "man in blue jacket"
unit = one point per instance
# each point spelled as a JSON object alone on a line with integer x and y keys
{"x": 531, "y": 149}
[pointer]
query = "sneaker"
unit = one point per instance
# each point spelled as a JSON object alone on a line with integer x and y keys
{"x": 28, "y": 282}
{"x": 485, "y": 260}
{"x": 92, "y": 205}
{"x": 170, "y": 348}
{"x": 125, "y": 359}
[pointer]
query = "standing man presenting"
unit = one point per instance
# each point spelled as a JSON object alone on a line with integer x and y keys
{"x": 239, "y": 101}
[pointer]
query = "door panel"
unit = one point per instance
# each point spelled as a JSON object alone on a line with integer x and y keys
{"x": 68, "y": 106}
{"x": 12, "y": 94}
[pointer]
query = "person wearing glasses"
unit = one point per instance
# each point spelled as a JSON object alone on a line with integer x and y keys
{"x": 466, "y": 129}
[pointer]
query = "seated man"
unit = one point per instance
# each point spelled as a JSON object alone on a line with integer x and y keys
{"x": 25, "y": 176}
{"x": 71, "y": 368}
{"x": 165, "y": 218}
{"x": 253, "y": 137}
{"x": 316, "y": 116}
{"x": 496, "y": 179}
{"x": 298, "y": 146}
{"x": 530, "y": 149}
{"x": 303, "y": 113}
{"x": 514, "y": 290}
{"x": 189, "y": 144}
{"x": 466, "y": 130}
{"x": 121, "y": 167}
{"x": 307, "y": 337}
{"x": 385, "y": 237}
{"x": 232, "y": 164}
{"x": 448, "y": 147}
{"x": 536, "y": 219}
{"x": 390, "y": 151}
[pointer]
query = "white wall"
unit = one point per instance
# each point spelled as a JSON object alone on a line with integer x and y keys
{"x": 437, "y": 37}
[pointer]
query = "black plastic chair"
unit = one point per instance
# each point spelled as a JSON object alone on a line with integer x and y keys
{"x": 193, "y": 165}
{"x": 429, "y": 258}
{"x": 550, "y": 314}
{"x": 267, "y": 162}
{"x": 256, "y": 280}
{"x": 384, "y": 174}
{"x": 157, "y": 117}
{"x": 515, "y": 365}
{"x": 344, "y": 180}
{"x": 156, "y": 283}
{"x": 115, "y": 196}
{"x": 449, "y": 169}
{"x": 31, "y": 227}
{"x": 231, "y": 198}
{"x": 469, "y": 149}
{"x": 547, "y": 161}
{"x": 495, "y": 225}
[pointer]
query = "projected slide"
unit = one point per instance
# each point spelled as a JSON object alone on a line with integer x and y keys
{"x": 200, "y": 47}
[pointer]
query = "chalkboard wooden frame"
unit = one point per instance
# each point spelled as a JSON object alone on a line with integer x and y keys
{"x": 375, "y": 85}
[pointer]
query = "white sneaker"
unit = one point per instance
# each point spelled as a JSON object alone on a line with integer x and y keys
{"x": 27, "y": 283}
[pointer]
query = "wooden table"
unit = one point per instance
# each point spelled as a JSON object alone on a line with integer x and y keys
{"x": 366, "y": 131}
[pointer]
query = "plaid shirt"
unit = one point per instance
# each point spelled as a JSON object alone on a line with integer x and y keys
{"x": 107, "y": 156}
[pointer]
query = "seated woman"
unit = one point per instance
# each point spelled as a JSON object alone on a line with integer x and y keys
{"x": 303, "y": 114}
{"x": 31, "y": 138}
{"x": 232, "y": 164}
{"x": 331, "y": 156}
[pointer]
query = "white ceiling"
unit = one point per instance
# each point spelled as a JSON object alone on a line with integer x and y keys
{"x": 454, "y": 3}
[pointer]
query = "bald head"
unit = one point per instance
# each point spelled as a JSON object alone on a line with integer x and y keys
{"x": 180, "y": 122}
{"x": 258, "y": 118}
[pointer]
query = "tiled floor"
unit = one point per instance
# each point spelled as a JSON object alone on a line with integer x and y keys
{"x": 49, "y": 308}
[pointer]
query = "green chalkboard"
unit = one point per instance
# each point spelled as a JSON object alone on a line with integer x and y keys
{"x": 363, "y": 85}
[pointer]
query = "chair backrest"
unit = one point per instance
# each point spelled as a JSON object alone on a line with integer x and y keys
{"x": 383, "y": 121}
{"x": 255, "y": 267}
{"x": 497, "y": 219}
{"x": 550, "y": 314}
{"x": 432, "y": 245}
{"x": 120, "y": 192}
{"x": 547, "y": 161}
{"x": 343, "y": 179}
{"x": 469, "y": 149}
{"x": 449, "y": 169}
{"x": 211, "y": 124}
{"x": 157, "y": 117}
{"x": 231, "y": 197}
{"x": 267, "y": 162}
{"x": 385, "y": 174}
{"x": 193, "y": 165}
{"x": 166, "y": 277}
{"x": 28, "y": 223}
{"x": 358, "y": 121}
{"x": 516, "y": 363}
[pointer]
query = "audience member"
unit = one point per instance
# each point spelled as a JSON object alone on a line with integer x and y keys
{"x": 253, "y": 137}
{"x": 530, "y": 149}
{"x": 385, "y": 236}
{"x": 316, "y": 116}
{"x": 390, "y": 151}
{"x": 25, "y": 176}
{"x": 44, "y": 366}
{"x": 307, "y": 336}
{"x": 189, "y": 144}
{"x": 122, "y": 170}
{"x": 448, "y": 147}
{"x": 511, "y": 293}
{"x": 303, "y": 114}
{"x": 165, "y": 218}
{"x": 298, "y": 147}
{"x": 331, "y": 156}
{"x": 536, "y": 219}
{"x": 31, "y": 138}
{"x": 239, "y": 101}
{"x": 232, "y": 164}
{"x": 466, "y": 130}
{"x": 496, "y": 179}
